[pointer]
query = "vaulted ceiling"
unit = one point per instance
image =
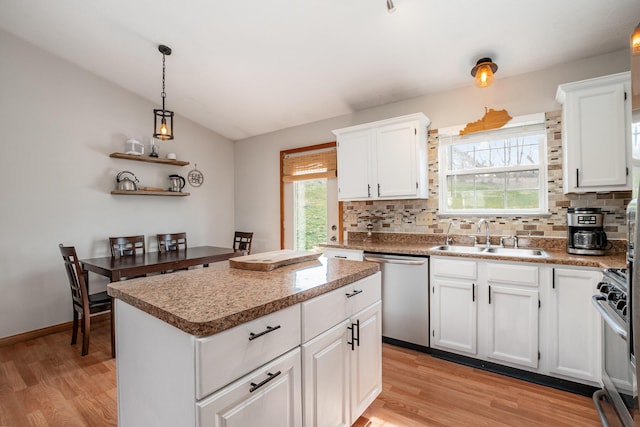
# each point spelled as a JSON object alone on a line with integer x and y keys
{"x": 248, "y": 67}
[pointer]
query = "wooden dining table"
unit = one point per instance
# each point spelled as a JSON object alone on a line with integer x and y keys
{"x": 116, "y": 268}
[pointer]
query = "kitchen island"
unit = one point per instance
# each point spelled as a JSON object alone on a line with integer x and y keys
{"x": 239, "y": 347}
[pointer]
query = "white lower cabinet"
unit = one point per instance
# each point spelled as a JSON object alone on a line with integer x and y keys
{"x": 268, "y": 397}
{"x": 523, "y": 315}
{"x": 366, "y": 359}
{"x": 317, "y": 363}
{"x": 454, "y": 311}
{"x": 574, "y": 331}
{"x": 511, "y": 313}
{"x": 342, "y": 362}
{"x": 512, "y": 332}
{"x": 485, "y": 310}
{"x": 325, "y": 364}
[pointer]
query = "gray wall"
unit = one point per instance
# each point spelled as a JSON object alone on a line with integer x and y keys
{"x": 58, "y": 125}
{"x": 257, "y": 159}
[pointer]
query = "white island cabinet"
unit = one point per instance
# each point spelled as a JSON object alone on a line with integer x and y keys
{"x": 342, "y": 367}
{"x": 319, "y": 343}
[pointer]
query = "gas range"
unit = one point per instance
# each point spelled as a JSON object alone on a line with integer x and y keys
{"x": 613, "y": 290}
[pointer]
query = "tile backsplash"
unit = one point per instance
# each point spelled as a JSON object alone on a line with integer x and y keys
{"x": 399, "y": 216}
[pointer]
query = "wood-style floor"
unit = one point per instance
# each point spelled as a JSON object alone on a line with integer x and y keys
{"x": 45, "y": 382}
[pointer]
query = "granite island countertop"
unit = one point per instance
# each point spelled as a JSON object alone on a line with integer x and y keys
{"x": 209, "y": 300}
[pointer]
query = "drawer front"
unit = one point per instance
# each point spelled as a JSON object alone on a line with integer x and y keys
{"x": 227, "y": 356}
{"x": 269, "y": 396}
{"x": 516, "y": 274}
{"x": 456, "y": 268}
{"x": 325, "y": 311}
{"x": 352, "y": 254}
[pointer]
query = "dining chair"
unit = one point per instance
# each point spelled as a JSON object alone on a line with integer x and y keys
{"x": 127, "y": 246}
{"x": 172, "y": 242}
{"x": 242, "y": 242}
{"x": 84, "y": 304}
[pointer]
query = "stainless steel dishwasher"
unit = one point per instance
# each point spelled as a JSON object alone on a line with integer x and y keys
{"x": 405, "y": 299}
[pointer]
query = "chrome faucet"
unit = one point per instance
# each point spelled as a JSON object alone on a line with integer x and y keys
{"x": 486, "y": 226}
{"x": 448, "y": 240}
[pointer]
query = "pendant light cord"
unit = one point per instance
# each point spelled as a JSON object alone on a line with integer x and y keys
{"x": 163, "y": 94}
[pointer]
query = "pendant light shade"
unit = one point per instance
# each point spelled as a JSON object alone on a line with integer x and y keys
{"x": 163, "y": 119}
{"x": 483, "y": 72}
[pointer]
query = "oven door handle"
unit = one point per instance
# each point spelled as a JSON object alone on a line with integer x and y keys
{"x": 609, "y": 316}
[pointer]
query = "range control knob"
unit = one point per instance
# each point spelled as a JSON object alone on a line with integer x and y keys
{"x": 621, "y": 304}
{"x": 613, "y": 296}
{"x": 604, "y": 287}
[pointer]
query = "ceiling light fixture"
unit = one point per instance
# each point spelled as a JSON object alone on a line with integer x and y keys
{"x": 163, "y": 119}
{"x": 635, "y": 40}
{"x": 390, "y": 7}
{"x": 483, "y": 72}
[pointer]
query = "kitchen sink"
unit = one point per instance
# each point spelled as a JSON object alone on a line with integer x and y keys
{"x": 516, "y": 252}
{"x": 497, "y": 250}
{"x": 459, "y": 249}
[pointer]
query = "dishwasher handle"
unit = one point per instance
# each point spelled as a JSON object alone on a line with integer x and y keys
{"x": 394, "y": 261}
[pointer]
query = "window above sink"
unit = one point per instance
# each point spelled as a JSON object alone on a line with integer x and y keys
{"x": 502, "y": 171}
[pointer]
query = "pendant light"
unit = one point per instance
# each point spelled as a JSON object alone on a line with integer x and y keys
{"x": 163, "y": 119}
{"x": 483, "y": 72}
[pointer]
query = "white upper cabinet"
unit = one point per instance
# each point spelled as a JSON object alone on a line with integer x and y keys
{"x": 596, "y": 133}
{"x": 386, "y": 159}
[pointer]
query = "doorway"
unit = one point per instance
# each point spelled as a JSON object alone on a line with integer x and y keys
{"x": 309, "y": 197}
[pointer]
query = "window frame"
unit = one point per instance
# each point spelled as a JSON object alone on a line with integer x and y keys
{"x": 450, "y": 136}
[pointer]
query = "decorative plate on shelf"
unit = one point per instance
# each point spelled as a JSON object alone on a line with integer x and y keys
{"x": 195, "y": 177}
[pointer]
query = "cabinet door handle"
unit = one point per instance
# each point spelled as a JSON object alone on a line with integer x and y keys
{"x": 270, "y": 376}
{"x": 553, "y": 278}
{"x": 378, "y": 190}
{"x": 577, "y": 177}
{"x": 489, "y": 294}
{"x": 253, "y": 336}
{"x": 368, "y": 190}
{"x": 355, "y": 335}
{"x": 473, "y": 292}
{"x": 354, "y": 293}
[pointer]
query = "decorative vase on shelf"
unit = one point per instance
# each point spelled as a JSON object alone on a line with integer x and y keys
{"x": 154, "y": 148}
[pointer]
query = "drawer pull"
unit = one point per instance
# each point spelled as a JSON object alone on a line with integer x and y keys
{"x": 270, "y": 376}
{"x": 354, "y": 293}
{"x": 253, "y": 336}
{"x": 340, "y": 256}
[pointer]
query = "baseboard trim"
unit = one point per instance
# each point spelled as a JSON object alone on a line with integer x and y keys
{"x": 411, "y": 346}
{"x": 545, "y": 380}
{"x": 66, "y": 326}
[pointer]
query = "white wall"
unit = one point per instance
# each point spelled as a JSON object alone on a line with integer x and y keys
{"x": 257, "y": 205}
{"x": 58, "y": 125}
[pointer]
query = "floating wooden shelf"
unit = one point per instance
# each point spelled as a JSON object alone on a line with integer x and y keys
{"x": 148, "y": 159}
{"x": 149, "y": 193}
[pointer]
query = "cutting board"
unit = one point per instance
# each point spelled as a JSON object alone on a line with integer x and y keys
{"x": 267, "y": 261}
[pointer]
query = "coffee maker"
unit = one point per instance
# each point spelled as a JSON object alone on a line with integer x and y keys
{"x": 586, "y": 231}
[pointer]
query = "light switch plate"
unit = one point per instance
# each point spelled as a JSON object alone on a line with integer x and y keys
{"x": 397, "y": 218}
{"x": 352, "y": 218}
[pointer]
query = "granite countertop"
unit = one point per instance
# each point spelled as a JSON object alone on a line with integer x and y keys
{"x": 209, "y": 300}
{"x": 556, "y": 254}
